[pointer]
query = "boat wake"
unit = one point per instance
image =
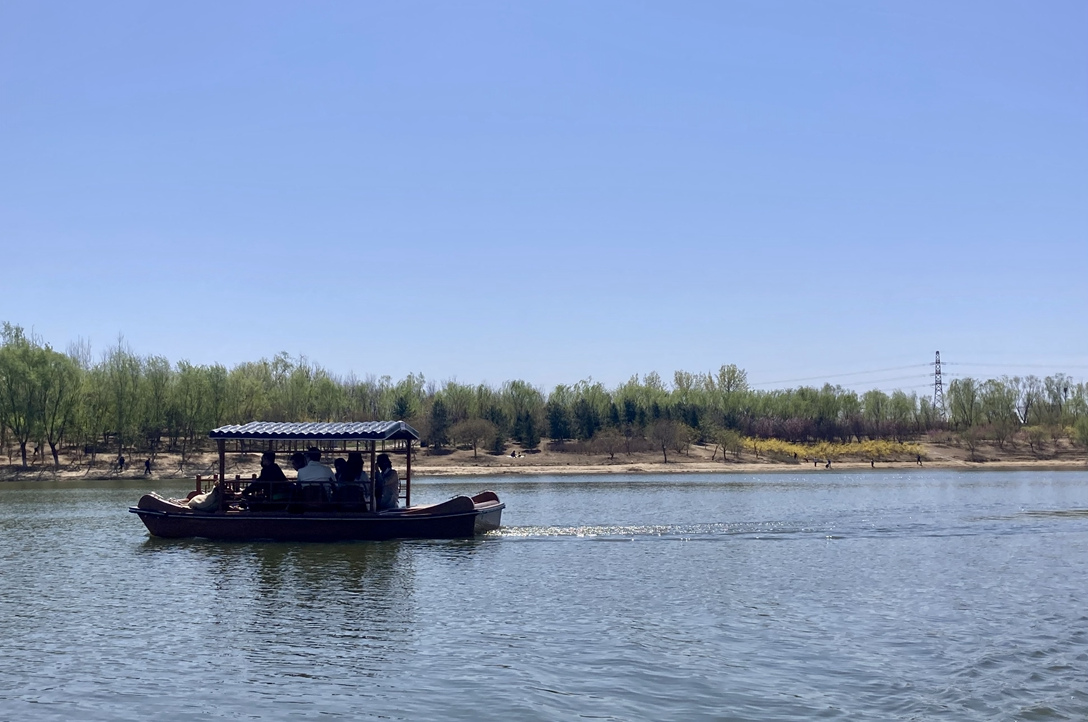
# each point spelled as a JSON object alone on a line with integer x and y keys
{"x": 678, "y": 532}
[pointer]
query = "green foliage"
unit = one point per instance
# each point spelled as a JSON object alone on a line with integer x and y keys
{"x": 408, "y": 397}
{"x": 730, "y": 441}
{"x": 964, "y": 403}
{"x": 460, "y": 401}
{"x": 126, "y": 401}
{"x": 440, "y": 423}
{"x": 526, "y": 431}
{"x": 685, "y": 437}
{"x": 20, "y": 406}
{"x": 1080, "y": 431}
{"x": 586, "y": 419}
{"x": 59, "y": 385}
{"x": 558, "y": 411}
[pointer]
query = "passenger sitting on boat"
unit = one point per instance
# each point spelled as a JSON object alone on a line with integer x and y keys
{"x": 350, "y": 492}
{"x": 270, "y": 471}
{"x": 353, "y": 469}
{"x": 386, "y": 484}
{"x": 314, "y": 470}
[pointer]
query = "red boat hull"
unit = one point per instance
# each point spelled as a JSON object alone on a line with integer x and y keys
{"x": 458, "y": 518}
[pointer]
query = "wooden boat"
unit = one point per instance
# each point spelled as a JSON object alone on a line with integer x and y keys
{"x": 316, "y": 511}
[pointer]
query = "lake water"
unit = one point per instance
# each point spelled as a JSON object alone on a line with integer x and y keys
{"x": 839, "y": 596}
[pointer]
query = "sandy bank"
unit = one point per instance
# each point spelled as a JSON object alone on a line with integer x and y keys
{"x": 1057, "y": 455}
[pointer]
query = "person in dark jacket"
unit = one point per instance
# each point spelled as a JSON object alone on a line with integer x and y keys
{"x": 270, "y": 472}
{"x": 353, "y": 491}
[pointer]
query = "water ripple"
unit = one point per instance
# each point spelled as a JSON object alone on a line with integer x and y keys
{"x": 908, "y": 597}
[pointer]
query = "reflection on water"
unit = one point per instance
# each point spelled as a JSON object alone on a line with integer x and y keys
{"x": 319, "y": 604}
{"x": 845, "y": 596}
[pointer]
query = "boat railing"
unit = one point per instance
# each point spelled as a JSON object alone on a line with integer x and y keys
{"x": 312, "y": 495}
{"x": 296, "y": 495}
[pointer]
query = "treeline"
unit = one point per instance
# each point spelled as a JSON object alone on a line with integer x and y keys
{"x": 147, "y": 404}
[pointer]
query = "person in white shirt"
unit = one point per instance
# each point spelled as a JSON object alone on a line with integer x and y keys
{"x": 314, "y": 470}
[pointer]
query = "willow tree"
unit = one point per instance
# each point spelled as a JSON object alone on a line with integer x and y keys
{"x": 123, "y": 371}
{"x": 20, "y": 407}
{"x": 998, "y": 407}
{"x": 249, "y": 385}
{"x": 60, "y": 379}
{"x": 158, "y": 380}
{"x": 459, "y": 400}
{"x": 963, "y": 402}
{"x": 188, "y": 405}
{"x": 1080, "y": 432}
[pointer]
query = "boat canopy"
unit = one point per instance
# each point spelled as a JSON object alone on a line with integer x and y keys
{"x": 318, "y": 431}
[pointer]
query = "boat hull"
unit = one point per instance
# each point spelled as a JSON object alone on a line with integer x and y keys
{"x": 458, "y": 518}
{"x": 488, "y": 519}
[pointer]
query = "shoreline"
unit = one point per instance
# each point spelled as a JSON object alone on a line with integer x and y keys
{"x": 552, "y": 460}
{"x": 741, "y": 468}
{"x": 515, "y": 468}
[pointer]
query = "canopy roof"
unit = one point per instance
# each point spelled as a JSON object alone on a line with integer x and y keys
{"x": 317, "y": 431}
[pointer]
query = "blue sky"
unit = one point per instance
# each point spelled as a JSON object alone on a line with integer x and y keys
{"x": 552, "y": 191}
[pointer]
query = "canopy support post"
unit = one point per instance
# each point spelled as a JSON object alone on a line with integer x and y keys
{"x": 373, "y": 476}
{"x": 408, "y": 475}
{"x": 222, "y": 444}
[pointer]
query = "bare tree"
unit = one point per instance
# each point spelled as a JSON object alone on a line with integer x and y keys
{"x": 608, "y": 441}
{"x": 972, "y": 437}
{"x": 473, "y": 432}
{"x": 664, "y": 434}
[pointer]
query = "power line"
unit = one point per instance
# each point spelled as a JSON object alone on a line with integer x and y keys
{"x": 923, "y": 379}
{"x": 837, "y": 376}
{"x": 1016, "y": 366}
{"x": 937, "y": 379}
{"x": 914, "y": 377}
